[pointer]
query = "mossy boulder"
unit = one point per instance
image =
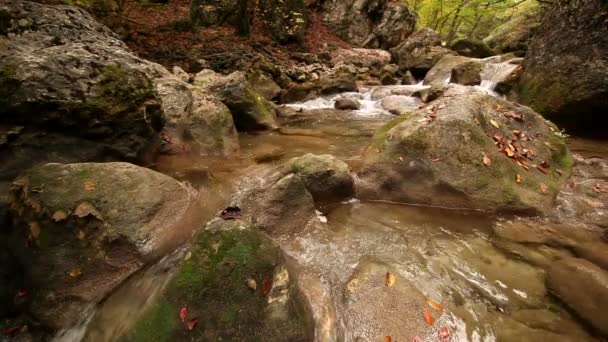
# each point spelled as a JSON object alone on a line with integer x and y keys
{"x": 472, "y": 48}
{"x": 285, "y": 19}
{"x": 215, "y": 12}
{"x": 81, "y": 229}
{"x": 435, "y": 155}
{"x": 250, "y": 111}
{"x": 420, "y": 52}
{"x": 325, "y": 176}
{"x": 441, "y": 73}
{"x": 237, "y": 285}
{"x": 468, "y": 73}
{"x": 566, "y": 65}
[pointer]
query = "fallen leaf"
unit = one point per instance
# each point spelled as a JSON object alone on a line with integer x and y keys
{"x": 89, "y": 186}
{"x": 252, "y": 284}
{"x": 81, "y": 235}
{"x": 545, "y": 164}
{"x": 188, "y": 256}
{"x": 494, "y": 123}
{"x": 35, "y": 230}
{"x": 541, "y": 169}
{"x": 518, "y": 178}
{"x": 183, "y": 313}
{"x": 516, "y": 132}
{"x": 192, "y": 323}
{"x": 401, "y": 158}
{"x": 59, "y": 215}
{"x": 435, "y": 305}
{"x": 428, "y": 317}
{"x": 378, "y": 150}
{"x": 486, "y": 160}
{"x": 266, "y": 285}
{"x": 559, "y": 172}
{"x": 75, "y": 273}
{"x": 85, "y": 209}
{"x": 543, "y": 187}
{"x": 388, "y": 339}
{"x": 509, "y": 152}
{"x": 390, "y": 279}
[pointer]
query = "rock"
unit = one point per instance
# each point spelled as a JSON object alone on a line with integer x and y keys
{"x": 196, "y": 122}
{"x": 420, "y": 52}
{"x": 286, "y": 19}
{"x": 388, "y": 79}
{"x": 71, "y": 75}
{"x": 336, "y": 81}
{"x": 371, "y": 309}
{"x": 381, "y": 92}
{"x": 550, "y": 321}
{"x": 468, "y": 73}
{"x": 472, "y": 48}
{"x": 89, "y": 227}
{"x": 249, "y": 109}
{"x": 267, "y": 153}
{"x": 325, "y": 176}
{"x": 566, "y": 66}
{"x": 583, "y": 286}
{"x": 265, "y": 85}
{"x": 408, "y": 78}
{"x": 374, "y": 24}
{"x": 216, "y": 12}
{"x": 400, "y": 104}
{"x": 181, "y": 74}
{"x": 441, "y": 74}
{"x": 515, "y": 34}
{"x": 429, "y": 94}
{"x": 345, "y": 103}
{"x": 435, "y": 155}
{"x": 370, "y": 58}
{"x": 213, "y": 286}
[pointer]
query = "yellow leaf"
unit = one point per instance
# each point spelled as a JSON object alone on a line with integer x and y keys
{"x": 75, "y": 273}
{"x": 390, "y": 279}
{"x": 252, "y": 284}
{"x": 518, "y": 178}
{"x": 89, "y": 186}
{"x": 435, "y": 305}
{"x": 509, "y": 152}
{"x": 494, "y": 123}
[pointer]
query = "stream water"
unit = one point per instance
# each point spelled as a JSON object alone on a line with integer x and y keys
{"x": 450, "y": 256}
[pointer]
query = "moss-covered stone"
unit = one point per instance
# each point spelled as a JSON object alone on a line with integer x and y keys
{"x": 325, "y": 176}
{"x": 215, "y": 285}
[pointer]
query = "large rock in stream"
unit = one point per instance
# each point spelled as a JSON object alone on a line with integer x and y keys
{"x": 235, "y": 285}
{"x": 420, "y": 52}
{"x": 467, "y": 150}
{"x": 566, "y": 66}
{"x": 80, "y": 230}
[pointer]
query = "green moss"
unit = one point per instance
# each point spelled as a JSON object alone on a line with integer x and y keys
{"x": 118, "y": 90}
{"x": 380, "y": 135}
{"x": 157, "y": 324}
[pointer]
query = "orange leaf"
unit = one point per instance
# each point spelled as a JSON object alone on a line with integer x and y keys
{"x": 509, "y": 152}
{"x": 390, "y": 279}
{"x": 486, "y": 160}
{"x": 192, "y": 323}
{"x": 388, "y": 339}
{"x": 266, "y": 285}
{"x": 75, "y": 273}
{"x": 183, "y": 313}
{"x": 518, "y": 178}
{"x": 428, "y": 317}
{"x": 435, "y": 305}
{"x": 89, "y": 186}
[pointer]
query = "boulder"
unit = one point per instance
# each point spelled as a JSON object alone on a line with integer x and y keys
{"x": 249, "y": 109}
{"x": 286, "y": 20}
{"x": 420, "y": 52}
{"x": 566, "y": 65}
{"x": 441, "y": 73}
{"x": 370, "y": 58}
{"x": 468, "y": 73}
{"x": 408, "y": 78}
{"x": 345, "y": 103}
{"x": 237, "y": 286}
{"x": 82, "y": 229}
{"x": 325, "y": 176}
{"x": 515, "y": 34}
{"x": 181, "y": 74}
{"x": 583, "y": 286}
{"x": 374, "y": 24}
{"x": 64, "y": 74}
{"x": 400, "y": 104}
{"x": 265, "y": 85}
{"x": 215, "y": 12}
{"x": 429, "y": 94}
{"x": 436, "y": 155}
{"x": 472, "y": 48}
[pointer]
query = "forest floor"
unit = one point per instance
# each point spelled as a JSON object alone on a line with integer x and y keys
{"x": 163, "y": 33}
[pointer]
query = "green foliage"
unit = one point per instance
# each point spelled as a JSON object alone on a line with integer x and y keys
{"x": 454, "y": 19}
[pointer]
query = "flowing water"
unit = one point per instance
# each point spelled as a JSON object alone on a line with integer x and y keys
{"x": 449, "y": 256}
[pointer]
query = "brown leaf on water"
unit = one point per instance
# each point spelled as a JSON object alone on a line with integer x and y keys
{"x": 59, "y": 215}
{"x": 434, "y": 305}
{"x": 486, "y": 160}
{"x": 428, "y": 317}
{"x": 34, "y": 230}
{"x": 390, "y": 279}
{"x": 75, "y": 272}
{"x": 183, "y": 314}
{"x": 494, "y": 123}
{"x": 89, "y": 186}
{"x": 518, "y": 178}
{"x": 192, "y": 324}
{"x": 543, "y": 188}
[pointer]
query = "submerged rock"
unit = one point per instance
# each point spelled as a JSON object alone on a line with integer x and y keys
{"x": 583, "y": 286}
{"x": 82, "y": 229}
{"x": 436, "y": 155}
{"x": 235, "y": 285}
{"x": 374, "y": 24}
{"x": 566, "y": 66}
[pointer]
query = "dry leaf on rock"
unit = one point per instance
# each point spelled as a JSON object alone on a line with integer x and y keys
{"x": 75, "y": 273}
{"x": 183, "y": 314}
{"x": 85, "y": 209}
{"x": 89, "y": 186}
{"x": 428, "y": 317}
{"x": 390, "y": 279}
{"x": 486, "y": 160}
{"x": 59, "y": 215}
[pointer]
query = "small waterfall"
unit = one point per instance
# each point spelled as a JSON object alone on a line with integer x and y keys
{"x": 494, "y": 73}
